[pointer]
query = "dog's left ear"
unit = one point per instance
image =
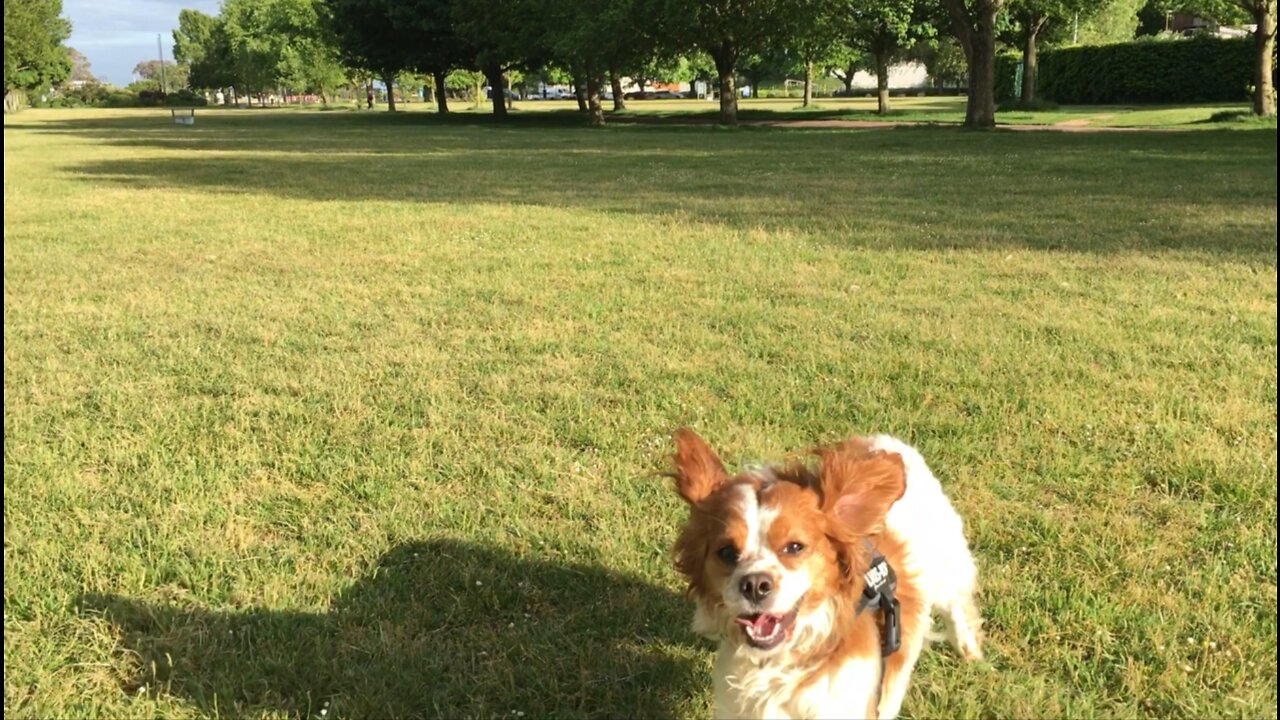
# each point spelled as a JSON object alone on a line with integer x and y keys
{"x": 861, "y": 487}
{"x": 698, "y": 470}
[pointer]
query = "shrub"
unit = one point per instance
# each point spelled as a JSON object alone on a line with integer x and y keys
{"x": 1007, "y": 75}
{"x": 1200, "y": 69}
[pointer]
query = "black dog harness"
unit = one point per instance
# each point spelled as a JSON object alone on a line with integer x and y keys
{"x": 878, "y": 594}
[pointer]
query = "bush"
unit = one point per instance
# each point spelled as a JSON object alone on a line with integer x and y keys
{"x": 1007, "y": 75}
{"x": 151, "y": 98}
{"x": 1200, "y": 69}
{"x": 186, "y": 98}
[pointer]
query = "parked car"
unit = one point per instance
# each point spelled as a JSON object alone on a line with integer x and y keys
{"x": 666, "y": 95}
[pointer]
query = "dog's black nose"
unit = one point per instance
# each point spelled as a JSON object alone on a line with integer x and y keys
{"x": 755, "y": 587}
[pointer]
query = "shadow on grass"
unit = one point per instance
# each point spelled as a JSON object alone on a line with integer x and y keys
{"x": 442, "y": 629}
{"x": 916, "y": 188}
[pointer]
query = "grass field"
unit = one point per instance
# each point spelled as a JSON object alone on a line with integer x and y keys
{"x": 936, "y": 110}
{"x": 354, "y": 415}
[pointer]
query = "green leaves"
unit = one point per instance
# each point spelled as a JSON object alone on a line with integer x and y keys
{"x": 34, "y": 56}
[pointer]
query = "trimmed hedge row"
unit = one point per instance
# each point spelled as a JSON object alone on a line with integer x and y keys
{"x": 1007, "y": 75}
{"x": 1200, "y": 69}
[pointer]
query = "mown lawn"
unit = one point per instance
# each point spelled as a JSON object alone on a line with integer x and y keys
{"x": 358, "y": 415}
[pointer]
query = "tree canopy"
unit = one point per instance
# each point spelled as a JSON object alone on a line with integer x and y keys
{"x": 34, "y": 55}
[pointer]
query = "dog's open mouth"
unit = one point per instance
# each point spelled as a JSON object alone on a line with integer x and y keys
{"x": 766, "y": 630}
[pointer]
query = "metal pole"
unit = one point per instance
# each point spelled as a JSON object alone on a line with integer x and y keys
{"x": 160, "y": 52}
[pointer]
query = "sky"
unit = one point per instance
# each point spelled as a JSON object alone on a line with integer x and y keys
{"x": 117, "y": 34}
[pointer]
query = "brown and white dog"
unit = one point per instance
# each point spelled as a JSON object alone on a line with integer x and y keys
{"x": 775, "y": 561}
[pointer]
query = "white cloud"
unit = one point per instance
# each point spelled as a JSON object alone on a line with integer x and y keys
{"x": 116, "y": 34}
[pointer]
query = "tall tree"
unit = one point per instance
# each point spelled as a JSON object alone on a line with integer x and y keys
{"x": 34, "y": 56}
{"x": 370, "y": 38}
{"x": 438, "y": 48}
{"x": 730, "y": 32}
{"x": 80, "y": 71}
{"x": 1034, "y": 20}
{"x": 974, "y": 24}
{"x": 200, "y": 42}
{"x": 1262, "y": 13}
{"x": 172, "y": 74}
{"x": 882, "y": 30}
{"x": 502, "y": 35}
{"x": 817, "y": 37}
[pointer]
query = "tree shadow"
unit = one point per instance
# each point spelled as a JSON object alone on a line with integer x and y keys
{"x": 907, "y": 188}
{"x": 439, "y": 629}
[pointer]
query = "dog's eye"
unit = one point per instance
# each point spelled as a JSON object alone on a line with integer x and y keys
{"x": 793, "y": 548}
{"x": 729, "y": 554}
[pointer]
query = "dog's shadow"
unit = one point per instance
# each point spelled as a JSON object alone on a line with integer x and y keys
{"x": 438, "y": 629}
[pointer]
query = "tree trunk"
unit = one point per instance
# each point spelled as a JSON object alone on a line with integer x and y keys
{"x": 595, "y": 113}
{"x": 580, "y": 92}
{"x": 882, "y": 83}
{"x": 977, "y": 36}
{"x": 368, "y": 95}
{"x": 390, "y": 82}
{"x": 1264, "y": 39}
{"x": 848, "y": 79}
{"x": 808, "y": 82}
{"x": 497, "y": 91}
{"x": 14, "y": 100}
{"x": 980, "y": 111}
{"x": 1030, "y": 60}
{"x": 442, "y": 97}
{"x": 615, "y": 85}
{"x": 640, "y": 83}
{"x": 726, "y": 70}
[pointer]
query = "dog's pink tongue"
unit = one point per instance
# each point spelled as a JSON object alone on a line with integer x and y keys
{"x": 762, "y": 625}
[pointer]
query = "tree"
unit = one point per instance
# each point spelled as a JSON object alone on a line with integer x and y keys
{"x": 171, "y": 74}
{"x": 274, "y": 42}
{"x": 818, "y": 34}
{"x": 501, "y": 35}
{"x": 1117, "y": 22}
{"x": 437, "y": 48}
{"x": 34, "y": 56}
{"x": 593, "y": 35}
{"x": 1262, "y": 13}
{"x": 1033, "y": 20}
{"x": 730, "y": 31}
{"x": 882, "y": 30}
{"x": 369, "y": 38}
{"x": 79, "y": 68}
{"x": 943, "y": 59}
{"x": 974, "y": 24}
{"x": 845, "y": 63}
{"x": 305, "y": 51}
{"x": 200, "y": 42}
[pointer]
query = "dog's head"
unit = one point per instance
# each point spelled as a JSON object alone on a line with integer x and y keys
{"x": 767, "y": 553}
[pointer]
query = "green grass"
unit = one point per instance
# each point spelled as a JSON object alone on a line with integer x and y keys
{"x": 933, "y": 110}
{"x": 359, "y": 409}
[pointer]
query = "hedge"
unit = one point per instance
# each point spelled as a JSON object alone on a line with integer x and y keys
{"x": 1200, "y": 69}
{"x": 1007, "y": 75}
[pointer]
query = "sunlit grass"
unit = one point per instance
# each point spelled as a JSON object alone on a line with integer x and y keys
{"x": 359, "y": 409}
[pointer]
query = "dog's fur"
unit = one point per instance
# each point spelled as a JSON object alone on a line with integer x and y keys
{"x": 802, "y": 651}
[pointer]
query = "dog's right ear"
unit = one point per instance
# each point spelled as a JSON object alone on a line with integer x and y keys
{"x": 698, "y": 471}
